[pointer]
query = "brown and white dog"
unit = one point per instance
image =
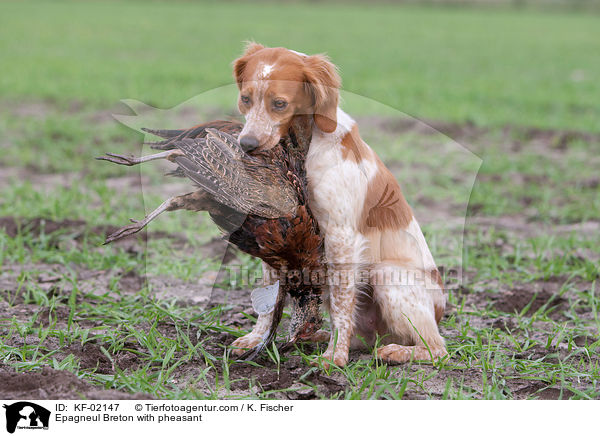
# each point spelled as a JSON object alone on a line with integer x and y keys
{"x": 366, "y": 221}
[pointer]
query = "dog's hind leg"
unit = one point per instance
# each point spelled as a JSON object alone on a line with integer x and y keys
{"x": 407, "y": 301}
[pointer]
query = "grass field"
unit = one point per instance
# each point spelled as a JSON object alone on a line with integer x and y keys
{"x": 140, "y": 318}
{"x": 491, "y": 68}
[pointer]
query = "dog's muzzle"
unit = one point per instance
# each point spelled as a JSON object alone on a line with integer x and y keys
{"x": 249, "y": 142}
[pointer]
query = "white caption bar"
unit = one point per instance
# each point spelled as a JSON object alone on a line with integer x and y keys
{"x": 23, "y": 417}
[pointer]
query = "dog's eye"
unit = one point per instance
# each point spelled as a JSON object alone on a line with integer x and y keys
{"x": 245, "y": 99}
{"x": 279, "y": 104}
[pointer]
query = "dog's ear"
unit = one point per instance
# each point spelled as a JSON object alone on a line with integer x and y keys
{"x": 240, "y": 64}
{"x": 322, "y": 83}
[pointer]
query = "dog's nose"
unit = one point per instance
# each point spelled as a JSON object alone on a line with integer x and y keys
{"x": 248, "y": 142}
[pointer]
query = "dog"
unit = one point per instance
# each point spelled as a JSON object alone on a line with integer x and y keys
{"x": 382, "y": 278}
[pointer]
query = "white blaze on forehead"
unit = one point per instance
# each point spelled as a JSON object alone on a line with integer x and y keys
{"x": 265, "y": 70}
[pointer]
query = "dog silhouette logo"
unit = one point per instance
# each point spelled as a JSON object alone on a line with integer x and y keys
{"x": 26, "y": 415}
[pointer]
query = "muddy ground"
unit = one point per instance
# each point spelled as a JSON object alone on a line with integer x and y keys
{"x": 295, "y": 378}
{"x": 62, "y": 384}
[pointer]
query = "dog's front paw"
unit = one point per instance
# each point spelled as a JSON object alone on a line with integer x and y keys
{"x": 241, "y": 344}
{"x": 339, "y": 358}
{"x": 402, "y": 353}
{"x": 318, "y": 336}
{"x": 395, "y": 353}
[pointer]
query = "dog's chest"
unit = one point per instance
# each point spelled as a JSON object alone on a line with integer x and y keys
{"x": 337, "y": 187}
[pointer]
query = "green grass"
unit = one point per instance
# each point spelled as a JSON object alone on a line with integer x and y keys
{"x": 169, "y": 340}
{"x": 506, "y": 67}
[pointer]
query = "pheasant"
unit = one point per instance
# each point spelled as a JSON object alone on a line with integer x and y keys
{"x": 259, "y": 199}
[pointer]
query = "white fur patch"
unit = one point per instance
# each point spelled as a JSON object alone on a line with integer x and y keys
{"x": 299, "y": 53}
{"x": 265, "y": 71}
{"x": 337, "y": 186}
{"x": 345, "y": 123}
{"x": 423, "y": 249}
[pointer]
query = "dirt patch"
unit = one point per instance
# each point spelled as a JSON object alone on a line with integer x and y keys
{"x": 13, "y": 226}
{"x": 219, "y": 248}
{"x": 92, "y": 358}
{"x": 196, "y": 292}
{"x": 522, "y": 225}
{"x": 554, "y": 138}
{"x": 516, "y": 300}
{"x": 76, "y": 229}
{"x": 300, "y": 382}
{"x": 51, "y": 384}
{"x": 553, "y": 295}
{"x": 57, "y": 280}
{"x": 542, "y": 391}
{"x": 34, "y": 109}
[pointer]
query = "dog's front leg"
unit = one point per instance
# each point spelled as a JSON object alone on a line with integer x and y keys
{"x": 252, "y": 339}
{"x": 343, "y": 249}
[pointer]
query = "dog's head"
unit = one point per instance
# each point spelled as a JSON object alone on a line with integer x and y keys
{"x": 277, "y": 84}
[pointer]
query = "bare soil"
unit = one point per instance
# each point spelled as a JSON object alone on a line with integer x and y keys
{"x": 51, "y": 384}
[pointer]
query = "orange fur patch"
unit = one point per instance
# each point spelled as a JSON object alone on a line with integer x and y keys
{"x": 385, "y": 206}
{"x": 354, "y": 147}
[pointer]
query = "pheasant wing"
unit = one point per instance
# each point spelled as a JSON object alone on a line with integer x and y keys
{"x": 217, "y": 164}
{"x": 199, "y": 131}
